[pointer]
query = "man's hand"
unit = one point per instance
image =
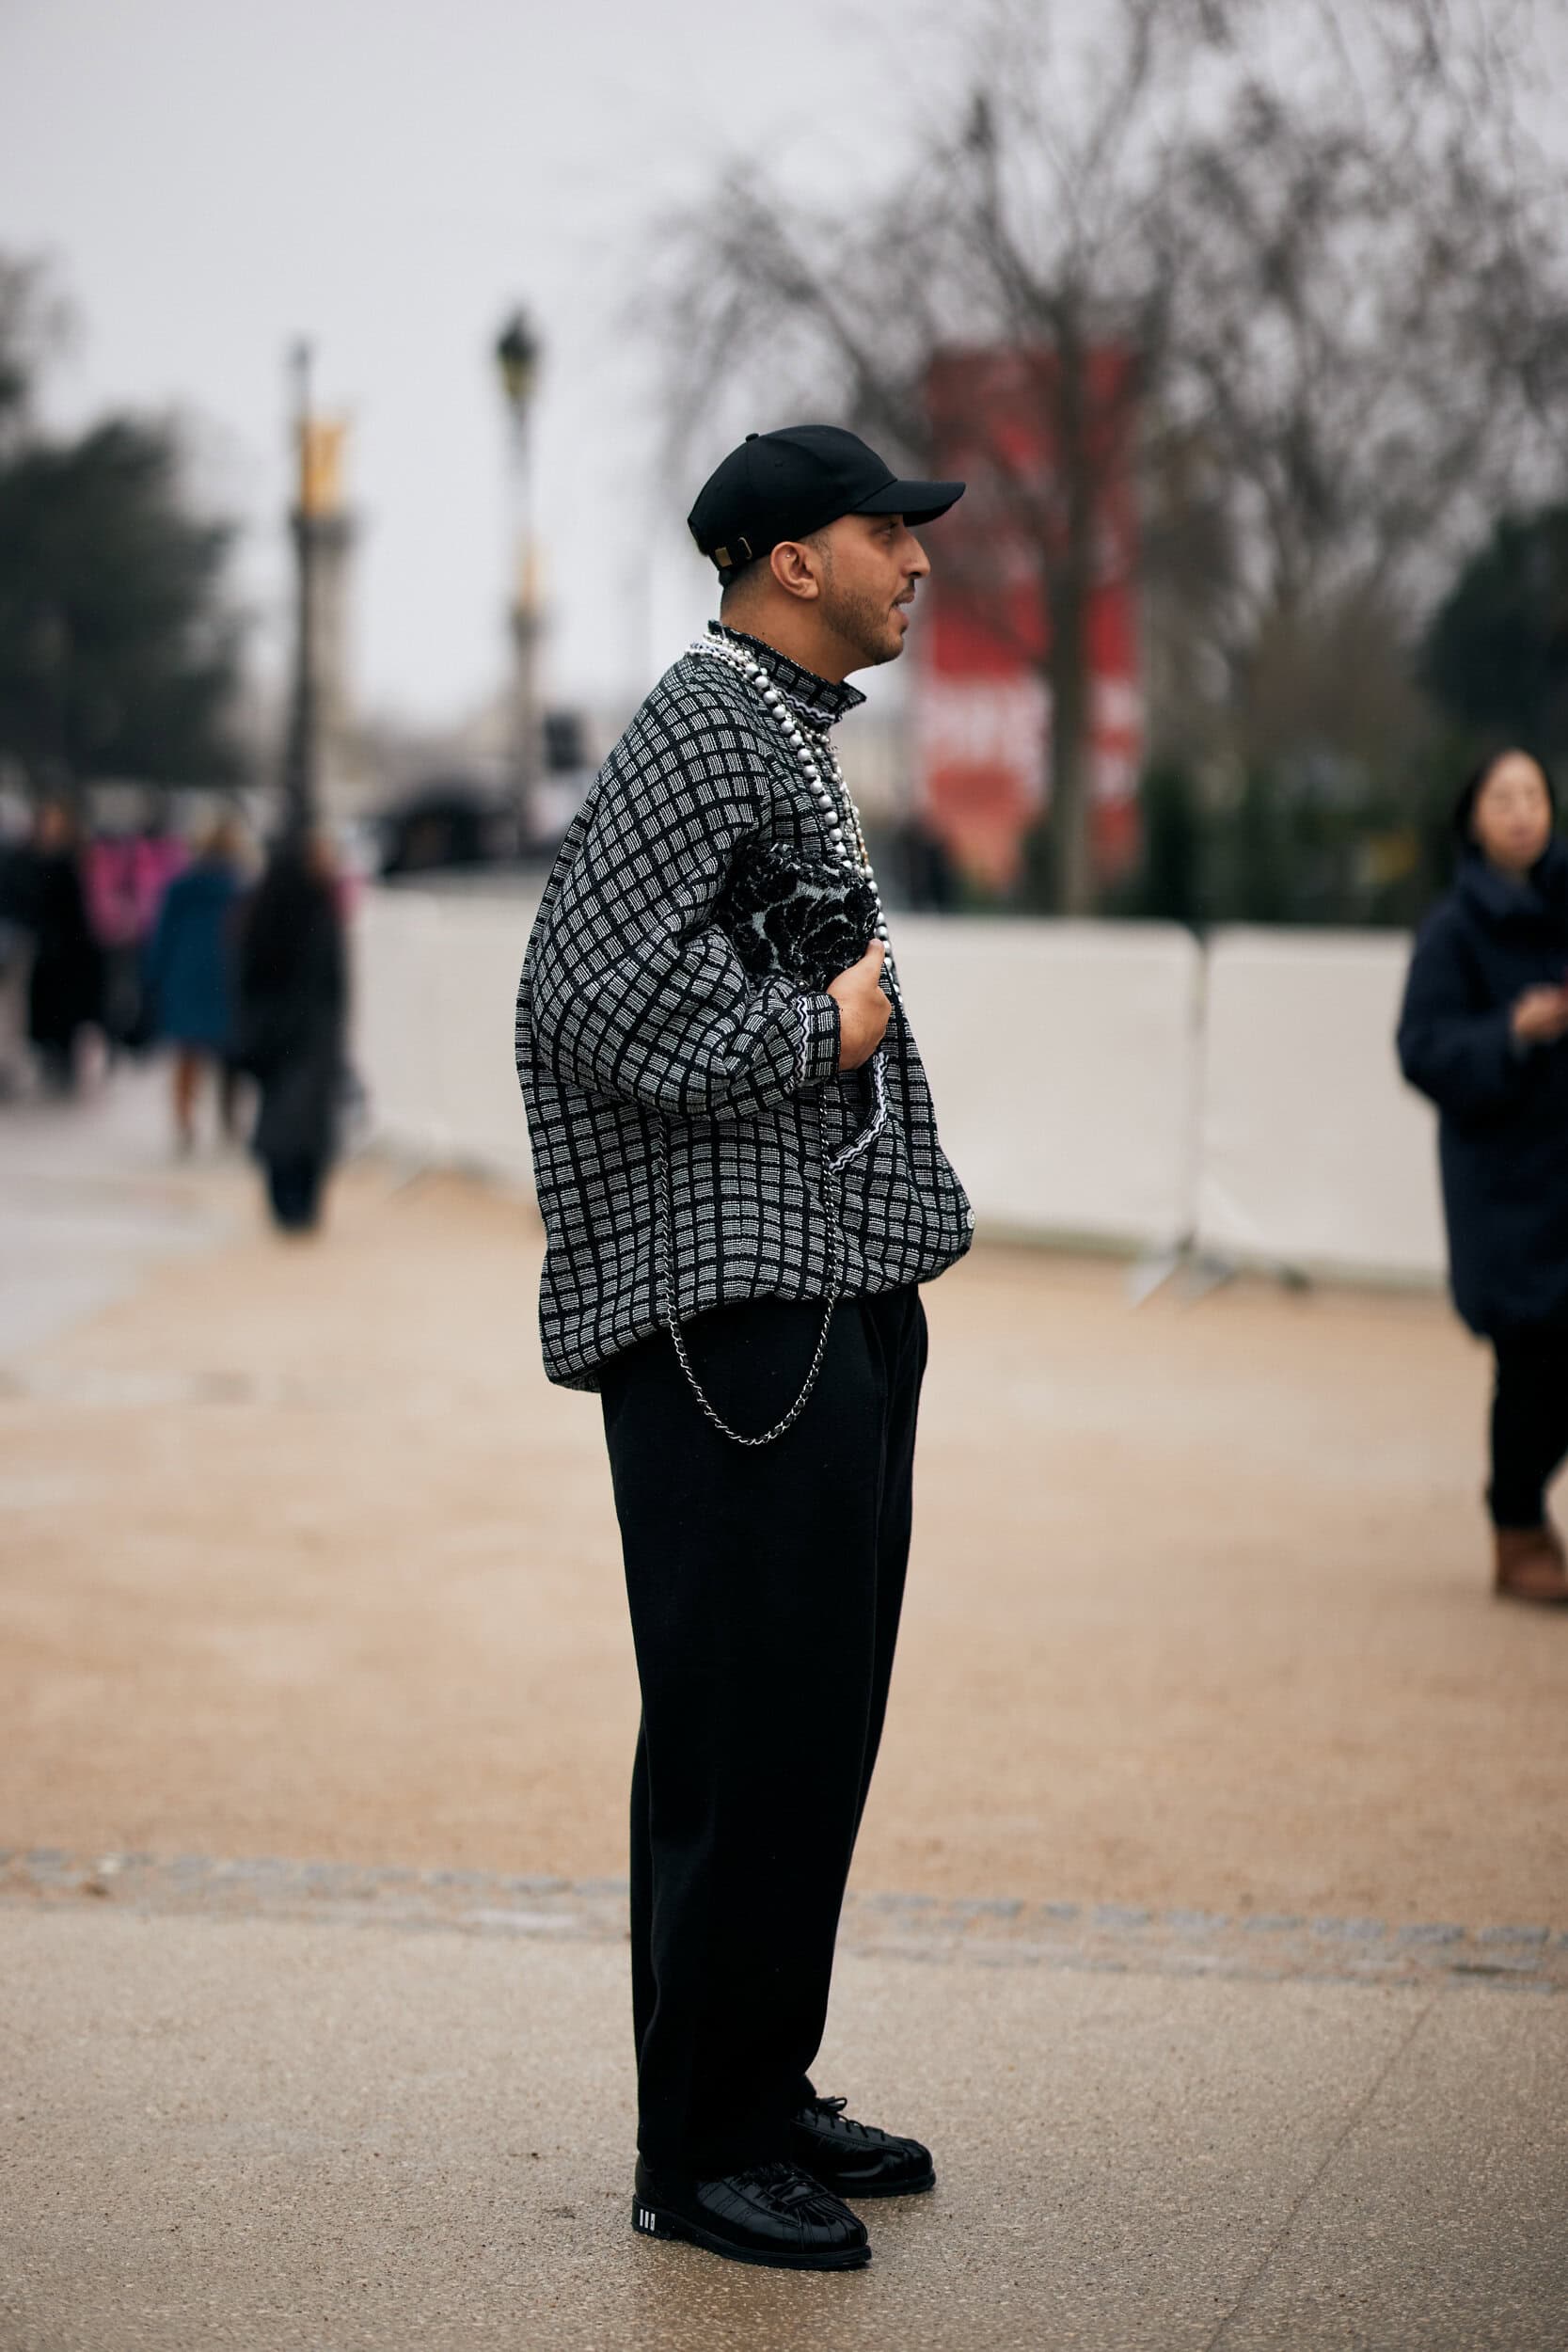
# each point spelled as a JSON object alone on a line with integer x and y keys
{"x": 862, "y": 1009}
{"x": 1539, "y": 1017}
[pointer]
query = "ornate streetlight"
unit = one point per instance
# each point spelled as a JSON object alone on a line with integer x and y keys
{"x": 302, "y": 752}
{"x": 322, "y": 533}
{"x": 517, "y": 353}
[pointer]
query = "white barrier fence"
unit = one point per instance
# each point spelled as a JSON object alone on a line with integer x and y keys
{"x": 1064, "y": 1063}
{"x": 1312, "y": 1151}
{"x": 434, "y": 984}
{"x": 1110, "y": 1082}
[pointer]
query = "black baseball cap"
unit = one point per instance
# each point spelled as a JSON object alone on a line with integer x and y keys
{"x": 786, "y": 485}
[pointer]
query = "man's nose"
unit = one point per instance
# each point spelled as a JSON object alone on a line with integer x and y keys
{"x": 916, "y": 562}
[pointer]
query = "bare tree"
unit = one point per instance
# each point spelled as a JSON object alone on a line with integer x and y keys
{"x": 1023, "y": 226}
{"x": 1324, "y": 242}
{"x": 34, "y": 325}
{"x": 1370, "y": 340}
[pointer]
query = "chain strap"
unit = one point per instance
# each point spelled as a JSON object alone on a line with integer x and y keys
{"x": 664, "y": 1219}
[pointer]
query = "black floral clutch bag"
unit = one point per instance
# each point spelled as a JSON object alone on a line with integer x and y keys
{"x": 787, "y": 912}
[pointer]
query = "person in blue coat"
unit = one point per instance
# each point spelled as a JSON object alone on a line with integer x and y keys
{"x": 1484, "y": 1033}
{"x": 190, "y": 974}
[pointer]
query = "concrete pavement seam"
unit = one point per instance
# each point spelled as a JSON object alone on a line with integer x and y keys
{"x": 996, "y": 1931}
{"x": 1362, "y": 2108}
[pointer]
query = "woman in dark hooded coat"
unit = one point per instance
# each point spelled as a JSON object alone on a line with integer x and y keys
{"x": 1484, "y": 1033}
{"x": 292, "y": 1002}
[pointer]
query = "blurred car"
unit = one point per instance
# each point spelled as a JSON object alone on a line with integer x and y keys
{"x": 447, "y": 825}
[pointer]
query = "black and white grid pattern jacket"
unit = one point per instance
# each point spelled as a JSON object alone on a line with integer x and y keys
{"x": 634, "y": 1008}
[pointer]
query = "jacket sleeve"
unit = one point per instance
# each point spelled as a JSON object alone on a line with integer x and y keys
{"x": 634, "y": 990}
{"x": 1465, "y": 1061}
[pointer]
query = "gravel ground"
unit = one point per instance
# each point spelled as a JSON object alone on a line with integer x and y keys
{"x": 1215, "y": 1857}
{"x": 306, "y": 1559}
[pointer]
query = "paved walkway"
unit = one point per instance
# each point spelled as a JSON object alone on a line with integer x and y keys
{"x": 266, "y": 2134}
{"x": 90, "y": 1196}
{"x": 1211, "y": 1913}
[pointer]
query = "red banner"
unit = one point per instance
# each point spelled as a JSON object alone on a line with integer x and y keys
{"x": 982, "y": 697}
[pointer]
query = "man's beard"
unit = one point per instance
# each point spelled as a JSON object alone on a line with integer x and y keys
{"x": 863, "y": 622}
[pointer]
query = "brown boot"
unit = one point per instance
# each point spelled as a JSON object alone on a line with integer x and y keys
{"x": 1530, "y": 1567}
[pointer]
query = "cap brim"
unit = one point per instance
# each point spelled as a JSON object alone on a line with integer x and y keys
{"x": 917, "y": 501}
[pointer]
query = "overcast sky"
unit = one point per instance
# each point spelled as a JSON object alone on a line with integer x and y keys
{"x": 214, "y": 178}
{"x": 389, "y": 177}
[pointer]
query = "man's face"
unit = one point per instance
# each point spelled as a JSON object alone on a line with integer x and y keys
{"x": 871, "y": 565}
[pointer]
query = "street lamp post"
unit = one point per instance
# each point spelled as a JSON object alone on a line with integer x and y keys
{"x": 517, "y": 361}
{"x": 302, "y": 754}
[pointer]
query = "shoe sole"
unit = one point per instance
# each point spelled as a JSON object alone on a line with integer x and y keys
{"x": 651, "y": 2222}
{"x": 853, "y": 2195}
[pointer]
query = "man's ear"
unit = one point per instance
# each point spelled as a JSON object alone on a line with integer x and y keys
{"x": 797, "y": 568}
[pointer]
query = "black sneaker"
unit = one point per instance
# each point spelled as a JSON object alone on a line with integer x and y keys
{"x": 773, "y": 2213}
{"x": 856, "y": 2159}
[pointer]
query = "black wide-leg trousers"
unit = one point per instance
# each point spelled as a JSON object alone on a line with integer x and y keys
{"x": 1530, "y": 1422}
{"x": 765, "y": 1588}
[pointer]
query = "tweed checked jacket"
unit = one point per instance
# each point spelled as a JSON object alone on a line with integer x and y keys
{"x": 634, "y": 1008}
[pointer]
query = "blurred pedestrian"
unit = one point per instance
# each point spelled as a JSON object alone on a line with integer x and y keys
{"x": 743, "y": 1190}
{"x": 65, "y": 984}
{"x": 125, "y": 876}
{"x": 291, "y": 1012}
{"x": 1484, "y": 1033}
{"x": 190, "y": 976}
{"x": 17, "y": 865}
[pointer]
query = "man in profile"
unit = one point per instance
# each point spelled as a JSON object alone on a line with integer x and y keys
{"x": 742, "y": 1191}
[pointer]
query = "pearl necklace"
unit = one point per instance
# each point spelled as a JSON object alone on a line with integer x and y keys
{"x": 832, "y": 794}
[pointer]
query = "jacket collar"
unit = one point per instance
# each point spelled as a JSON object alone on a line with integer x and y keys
{"x": 1541, "y": 895}
{"x": 815, "y": 698}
